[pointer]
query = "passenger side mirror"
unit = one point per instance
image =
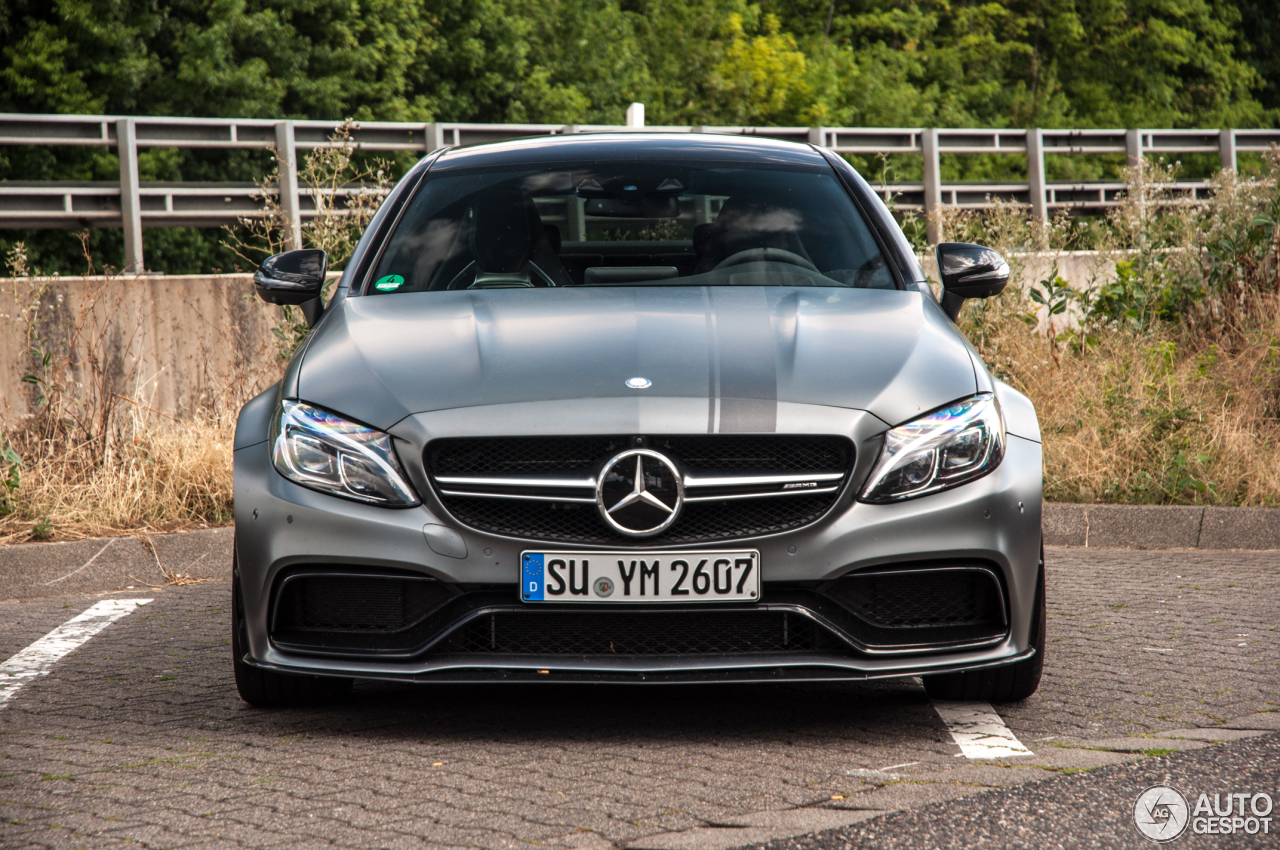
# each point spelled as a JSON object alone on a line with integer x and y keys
{"x": 296, "y": 278}
{"x": 969, "y": 271}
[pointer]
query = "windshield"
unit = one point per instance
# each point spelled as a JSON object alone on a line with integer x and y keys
{"x": 631, "y": 224}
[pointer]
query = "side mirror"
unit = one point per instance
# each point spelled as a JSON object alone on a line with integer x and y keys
{"x": 969, "y": 271}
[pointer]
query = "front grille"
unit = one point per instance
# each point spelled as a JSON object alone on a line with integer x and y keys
{"x": 708, "y": 520}
{"x": 520, "y": 454}
{"x": 576, "y": 523}
{"x": 939, "y": 603}
{"x": 364, "y": 613}
{"x": 621, "y": 634}
{"x": 714, "y": 452}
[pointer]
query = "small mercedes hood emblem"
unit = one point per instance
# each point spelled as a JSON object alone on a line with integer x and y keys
{"x": 639, "y": 383}
{"x": 639, "y": 493}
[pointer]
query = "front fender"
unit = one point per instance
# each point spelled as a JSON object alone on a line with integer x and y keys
{"x": 254, "y": 422}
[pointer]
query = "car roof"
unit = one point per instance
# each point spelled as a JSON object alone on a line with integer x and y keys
{"x": 603, "y": 147}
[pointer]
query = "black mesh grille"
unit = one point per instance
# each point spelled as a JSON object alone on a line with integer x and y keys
{"x": 922, "y": 605}
{"x": 714, "y": 452}
{"x": 365, "y": 613}
{"x": 520, "y": 454}
{"x": 632, "y": 634}
{"x": 571, "y": 522}
{"x": 579, "y": 523}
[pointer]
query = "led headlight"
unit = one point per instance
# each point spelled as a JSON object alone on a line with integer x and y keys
{"x": 323, "y": 451}
{"x": 948, "y": 447}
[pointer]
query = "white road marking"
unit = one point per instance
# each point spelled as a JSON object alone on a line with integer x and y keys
{"x": 39, "y": 658}
{"x": 978, "y": 730}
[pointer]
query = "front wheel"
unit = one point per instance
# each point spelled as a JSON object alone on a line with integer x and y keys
{"x": 1010, "y": 683}
{"x": 267, "y": 688}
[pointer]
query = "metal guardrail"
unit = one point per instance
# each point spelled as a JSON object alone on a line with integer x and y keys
{"x": 132, "y": 205}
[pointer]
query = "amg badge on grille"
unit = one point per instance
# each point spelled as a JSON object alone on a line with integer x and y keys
{"x": 640, "y": 493}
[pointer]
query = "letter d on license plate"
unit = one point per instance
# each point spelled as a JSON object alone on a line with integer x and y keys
{"x": 724, "y": 576}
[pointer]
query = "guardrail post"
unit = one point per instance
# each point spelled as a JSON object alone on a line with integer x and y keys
{"x": 434, "y": 137}
{"x": 576, "y": 216}
{"x": 1035, "y": 176}
{"x": 130, "y": 200}
{"x": 635, "y": 116}
{"x": 1133, "y": 148}
{"x": 1227, "y": 149}
{"x": 818, "y": 136}
{"x": 932, "y": 186}
{"x": 287, "y": 159}
{"x": 1133, "y": 158}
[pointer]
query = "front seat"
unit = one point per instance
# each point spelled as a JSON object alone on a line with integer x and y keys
{"x": 509, "y": 244}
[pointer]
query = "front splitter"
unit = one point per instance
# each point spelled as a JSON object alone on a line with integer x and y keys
{"x": 815, "y": 668}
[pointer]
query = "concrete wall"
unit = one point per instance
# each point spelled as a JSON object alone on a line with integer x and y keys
{"x": 176, "y": 343}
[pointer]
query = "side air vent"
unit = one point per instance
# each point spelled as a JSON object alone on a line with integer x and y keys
{"x": 366, "y": 613}
{"x": 955, "y": 602}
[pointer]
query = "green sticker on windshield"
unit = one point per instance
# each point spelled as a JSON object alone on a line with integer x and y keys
{"x": 390, "y": 283}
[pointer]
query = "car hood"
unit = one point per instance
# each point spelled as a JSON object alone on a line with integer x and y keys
{"x": 379, "y": 359}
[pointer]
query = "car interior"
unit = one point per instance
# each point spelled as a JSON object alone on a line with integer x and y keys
{"x": 642, "y": 226}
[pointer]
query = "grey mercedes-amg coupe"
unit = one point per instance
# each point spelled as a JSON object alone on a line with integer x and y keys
{"x": 646, "y": 408}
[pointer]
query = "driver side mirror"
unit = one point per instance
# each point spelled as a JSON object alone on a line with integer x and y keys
{"x": 969, "y": 271}
{"x": 295, "y": 278}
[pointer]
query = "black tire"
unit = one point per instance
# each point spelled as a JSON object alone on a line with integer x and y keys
{"x": 1010, "y": 683}
{"x": 267, "y": 688}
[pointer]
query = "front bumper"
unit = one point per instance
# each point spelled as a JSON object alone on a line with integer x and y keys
{"x": 996, "y": 519}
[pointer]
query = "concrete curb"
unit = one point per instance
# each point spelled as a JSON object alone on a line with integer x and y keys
{"x": 1160, "y": 527}
{"x": 35, "y": 570}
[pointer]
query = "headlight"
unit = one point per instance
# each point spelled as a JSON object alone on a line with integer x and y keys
{"x": 945, "y": 448}
{"x": 325, "y": 452}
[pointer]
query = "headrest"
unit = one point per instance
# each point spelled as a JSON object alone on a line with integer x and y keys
{"x": 504, "y": 226}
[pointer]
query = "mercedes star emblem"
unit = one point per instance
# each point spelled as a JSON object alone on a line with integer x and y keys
{"x": 640, "y": 493}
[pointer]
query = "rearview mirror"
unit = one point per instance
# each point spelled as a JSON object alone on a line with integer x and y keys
{"x": 293, "y": 277}
{"x": 969, "y": 271}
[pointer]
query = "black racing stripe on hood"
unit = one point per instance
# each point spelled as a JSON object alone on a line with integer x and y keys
{"x": 748, "y": 370}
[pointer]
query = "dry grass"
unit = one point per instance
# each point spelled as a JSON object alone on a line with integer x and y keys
{"x": 161, "y": 476}
{"x": 92, "y": 457}
{"x": 1161, "y": 416}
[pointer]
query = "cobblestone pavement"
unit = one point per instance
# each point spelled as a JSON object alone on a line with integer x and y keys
{"x": 139, "y": 737}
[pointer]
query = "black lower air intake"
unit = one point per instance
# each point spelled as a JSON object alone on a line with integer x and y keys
{"x": 355, "y": 612}
{"x": 927, "y": 604}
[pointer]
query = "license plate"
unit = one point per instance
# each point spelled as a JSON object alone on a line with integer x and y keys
{"x": 632, "y": 577}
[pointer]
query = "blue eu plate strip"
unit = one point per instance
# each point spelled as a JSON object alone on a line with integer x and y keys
{"x": 531, "y": 587}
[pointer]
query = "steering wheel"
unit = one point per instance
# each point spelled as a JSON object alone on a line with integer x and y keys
{"x": 765, "y": 255}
